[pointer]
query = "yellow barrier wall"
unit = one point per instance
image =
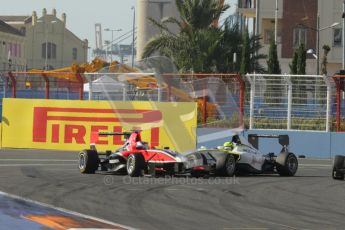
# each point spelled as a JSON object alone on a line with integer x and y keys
{"x": 67, "y": 125}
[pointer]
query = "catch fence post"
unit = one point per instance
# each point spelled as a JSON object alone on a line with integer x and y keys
{"x": 252, "y": 95}
{"x": 289, "y": 108}
{"x": 328, "y": 105}
{"x": 14, "y": 84}
{"x": 47, "y": 88}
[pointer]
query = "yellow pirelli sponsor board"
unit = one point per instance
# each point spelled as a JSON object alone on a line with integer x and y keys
{"x": 0, "y": 134}
{"x": 68, "y": 125}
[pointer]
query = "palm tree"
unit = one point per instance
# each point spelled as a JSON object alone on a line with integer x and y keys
{"x": 231, "y": 44}
{"x": 200, "y": 14}
{"x": 324, "y": 62}
{"x": 197, "y": 45}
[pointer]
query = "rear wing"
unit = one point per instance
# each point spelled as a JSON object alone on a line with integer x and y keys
{"x": 253, "y": 139}
{"x": 125, "y": 134}
{"x": 95, "y": 136}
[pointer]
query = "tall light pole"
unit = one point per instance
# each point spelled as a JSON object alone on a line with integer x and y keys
{"x": 318, "y": 29}
{"x": 318, "y": 44}
{"x": 276, "y": 23}
{"x": 106, "y": 44}
{"x": 133, "y": 38}
{"x": 318, "y": 40}
{"x": 257, "y": 17}
{"x": 112, "y": 40}
{"x": 343, "y": 37}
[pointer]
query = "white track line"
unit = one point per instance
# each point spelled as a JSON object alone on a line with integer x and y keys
{"x": 52, "y": 160}
{"x": 19, "y": 165}
{"x": 314, "y": 165}
{"x": 64, "y": 210}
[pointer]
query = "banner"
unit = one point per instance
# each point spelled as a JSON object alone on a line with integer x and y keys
{"x": 68, "y": 124}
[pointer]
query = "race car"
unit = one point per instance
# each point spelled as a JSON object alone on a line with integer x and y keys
{"x": 252, "y": 161}
{"x": 135, "y": 158}
{"x": 338, "y": 169}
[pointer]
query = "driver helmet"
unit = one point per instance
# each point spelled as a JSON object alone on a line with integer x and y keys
{"x": 139, "y": 145}
{"x": 228, "y": 144}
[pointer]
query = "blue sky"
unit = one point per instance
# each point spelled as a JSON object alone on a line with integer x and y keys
{"x": 83, "y": 14}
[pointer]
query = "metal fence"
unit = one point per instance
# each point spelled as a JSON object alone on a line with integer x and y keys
{"x": 292, "y": 102}
{"x": 37, "y": 85}
{"x": 220, "y": 97}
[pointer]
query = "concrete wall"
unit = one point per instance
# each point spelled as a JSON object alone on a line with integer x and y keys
{"x": 310, "y": 144}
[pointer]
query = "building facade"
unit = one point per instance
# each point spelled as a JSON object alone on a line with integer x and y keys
{"x": 297, "y": 23}
{"x": 49, "y": 44}
{"x": 12, "y": 48}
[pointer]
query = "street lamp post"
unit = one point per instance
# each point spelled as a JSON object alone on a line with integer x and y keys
{"x": 133, "y": 38}
{"x": 318, "y": 40}
{"x": 318, "y": 44}
{"x": 276, "y": 23}
{"x": 112, "y": 40}
{"x": 318, "y": 29}
{"x": 343, "y": 38}
{"x": 106, "y": 44}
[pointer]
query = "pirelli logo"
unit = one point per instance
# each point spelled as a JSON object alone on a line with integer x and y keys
{"x": 85, "y": 121}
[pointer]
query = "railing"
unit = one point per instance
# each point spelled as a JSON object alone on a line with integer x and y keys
{"x": 292, "y": 102}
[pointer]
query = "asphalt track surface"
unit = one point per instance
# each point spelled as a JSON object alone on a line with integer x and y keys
{"x": 310, "y": 200}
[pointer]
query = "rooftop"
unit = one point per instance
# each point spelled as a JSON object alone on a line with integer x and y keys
{"x": 4, "y": 27}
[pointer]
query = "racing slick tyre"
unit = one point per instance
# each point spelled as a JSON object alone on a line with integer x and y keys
{"x": 226, "y": 165}
{"x": 286, "y": 164}
{"x": 88, "y": 161}
{"x": 135, "y": 164}
{"x": 338, "y": 163}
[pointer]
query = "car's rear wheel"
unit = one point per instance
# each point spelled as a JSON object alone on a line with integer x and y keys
{"x": 286, "y": 164}
{"x": 338, "y": 163}
{"x": 135, "y": 165}
{"x": 88, "y": 161}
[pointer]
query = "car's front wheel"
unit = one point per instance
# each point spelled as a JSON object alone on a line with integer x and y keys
{"x": 88, "y": 161}
{"x": 135, "y": 164}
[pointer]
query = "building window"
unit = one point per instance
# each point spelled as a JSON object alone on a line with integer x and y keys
{"x": 12, "y": 50}
{"x": 23, "y": 30}
{"x": 299, "y": 37}
{"x": 74, "y": 53}
{"x": 51, "y": 50}
{"x": 268, "y": 36}
{"x": 19, "y": 50}
{"x": 337, "y": 36}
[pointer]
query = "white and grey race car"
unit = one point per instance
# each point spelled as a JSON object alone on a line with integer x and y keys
{"x": 249, "y": 160}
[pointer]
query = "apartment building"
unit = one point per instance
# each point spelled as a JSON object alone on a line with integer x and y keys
{"x": 297, "y": 23}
